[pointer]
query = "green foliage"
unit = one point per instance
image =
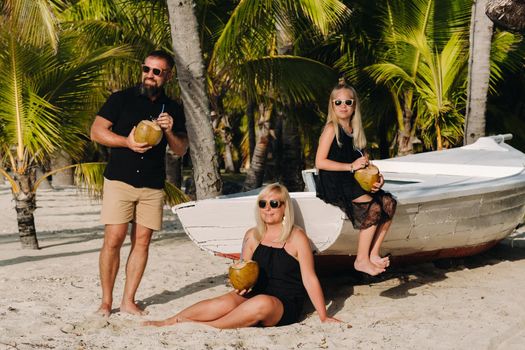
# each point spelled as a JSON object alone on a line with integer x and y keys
{"x": 50, "y": 88}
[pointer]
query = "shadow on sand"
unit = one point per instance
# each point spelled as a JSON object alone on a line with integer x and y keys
{"x": 413, "y": 276}
{"x": 167, "y": 295}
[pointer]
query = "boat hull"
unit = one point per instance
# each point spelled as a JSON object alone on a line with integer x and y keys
{"x": 457, "y": 226}
{"x": 450, "y": 204}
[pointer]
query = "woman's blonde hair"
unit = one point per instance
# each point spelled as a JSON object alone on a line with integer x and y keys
{"x": 356, "y": 123}
{"x": 288, "y": 218}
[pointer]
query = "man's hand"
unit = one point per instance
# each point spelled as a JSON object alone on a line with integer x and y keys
{"x": 139, "y": 147}
{"x": 165, "y": 121}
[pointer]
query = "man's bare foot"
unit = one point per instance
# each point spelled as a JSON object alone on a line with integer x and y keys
{"x": 132, "y": 309}
{"x": 104, "y": 310}
{"x": 379, "y": 261}
{"x": 368, "y": 267}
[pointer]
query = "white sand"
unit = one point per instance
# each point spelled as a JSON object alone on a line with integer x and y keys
{"x": 48, "y": 296}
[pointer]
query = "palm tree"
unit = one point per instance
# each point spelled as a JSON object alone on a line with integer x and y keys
{"x": 191, "y": 76}
{"x": 434, "y": 85}
{"x": 409, "y": 66}
{"x": 248, "y": 61}
{"x": 49, "y": 83}
{"x": 479, "y": 72}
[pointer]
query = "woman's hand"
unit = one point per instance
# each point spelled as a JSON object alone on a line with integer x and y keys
{"x": 242, "y": 292}
{"x": 331, "y": 320}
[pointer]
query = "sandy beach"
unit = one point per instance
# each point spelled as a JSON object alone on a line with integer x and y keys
{"x": 48, "y": 297}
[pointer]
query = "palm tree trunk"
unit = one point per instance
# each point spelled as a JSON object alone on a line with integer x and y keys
{"x": 173, "y": 168}
{"x": 478, "y": 72}
{"x": 229, "y": 165}
{"x": 226, "y": 136}
{"x": 292, "y": 162}
{"x": 250, "y": 114}
{"x": 439, "y": 140}
{"x": 25, "y": 205}
{"x": 291, "y": 159}
{"x": 190, "y": 73}
{"x": 404, "y": 137}
{"x": 255, "y": 175}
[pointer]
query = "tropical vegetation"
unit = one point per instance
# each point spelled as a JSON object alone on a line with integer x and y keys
{"x": 254, "y": 76}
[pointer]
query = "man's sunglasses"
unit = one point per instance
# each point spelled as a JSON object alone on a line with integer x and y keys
{"x": 274, "y": 204}
{"x": 349, "y": 102}
{"x": 156, "y": 71}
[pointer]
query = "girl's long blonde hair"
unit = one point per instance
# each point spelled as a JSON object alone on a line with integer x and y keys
{"x": 288, "y": 219}
{"x": 356, "y": 123}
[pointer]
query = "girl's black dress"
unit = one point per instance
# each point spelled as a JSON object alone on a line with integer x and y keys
{"x": 340, "y": 188}
{"x": 280, "y": 276}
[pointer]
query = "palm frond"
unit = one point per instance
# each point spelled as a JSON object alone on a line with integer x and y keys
{"x": 173, "y": 195}
{"x": 326, "y": 15}
{"x": 507, "y": 55}
{"x": 89, "y": 177}
{"x": 280, "y": 75}
{"x": 31, "y": 21}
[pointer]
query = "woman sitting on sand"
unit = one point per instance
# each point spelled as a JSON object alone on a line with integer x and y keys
{"x": 286, "y": 275}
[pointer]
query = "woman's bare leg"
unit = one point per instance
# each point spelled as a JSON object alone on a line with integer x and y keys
{"x": 362, "y": 261}
{"x": 264, "y": 309}
{"x": 378, "y": 239}
{"x": 204, "y": 311}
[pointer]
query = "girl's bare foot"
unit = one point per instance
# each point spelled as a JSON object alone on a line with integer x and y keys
{"x": 379, "y": 261}
{"x": 104, "y": 310}
{"x": 132, "y": 309}
{"x": 368, "y": 267}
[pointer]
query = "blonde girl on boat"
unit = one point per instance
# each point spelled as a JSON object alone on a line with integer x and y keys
{"x": 340, "y": 153}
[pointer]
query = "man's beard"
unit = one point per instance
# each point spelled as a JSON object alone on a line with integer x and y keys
{"x": 149, "y": 90}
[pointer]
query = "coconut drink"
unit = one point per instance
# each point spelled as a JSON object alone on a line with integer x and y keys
{"x": 243, "y": 274}
{"x": 149, "y": 132}
{"x": 367, "y": 177}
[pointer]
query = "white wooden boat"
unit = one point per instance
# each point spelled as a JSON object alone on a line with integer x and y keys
{"x": 451, "y": 203}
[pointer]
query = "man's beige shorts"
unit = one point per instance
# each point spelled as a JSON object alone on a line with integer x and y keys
{"x": 124, "y": 203}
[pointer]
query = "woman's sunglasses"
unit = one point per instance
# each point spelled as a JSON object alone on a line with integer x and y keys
{"x": 349, "y": 102}
{"x": 274, "y": 204}
{"x": 156, "y": 71}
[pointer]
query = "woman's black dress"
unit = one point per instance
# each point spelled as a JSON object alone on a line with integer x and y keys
{"x": 280, "y": 276}
{"x": 340, "y": 188}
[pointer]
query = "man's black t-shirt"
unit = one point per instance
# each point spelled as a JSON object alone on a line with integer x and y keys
{"x": 125, "y": 109}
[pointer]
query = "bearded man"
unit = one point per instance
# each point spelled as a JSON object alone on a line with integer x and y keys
{"x": 135, "y": 173}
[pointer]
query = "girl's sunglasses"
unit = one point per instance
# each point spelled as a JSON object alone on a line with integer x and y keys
{"x": 349, "y": 102}
{"x": 274, "y": 204}
{"x": 156, "y": 71}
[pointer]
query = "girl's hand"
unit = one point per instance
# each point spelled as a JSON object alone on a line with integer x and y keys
{"x": 360, "y": 163}
{"x": 377, "y": 186}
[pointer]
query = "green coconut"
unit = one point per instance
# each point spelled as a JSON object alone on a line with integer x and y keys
{"x": 243, "y": 274}
{"x": 149, "y": 132}
{"x": 367, "y": 177}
